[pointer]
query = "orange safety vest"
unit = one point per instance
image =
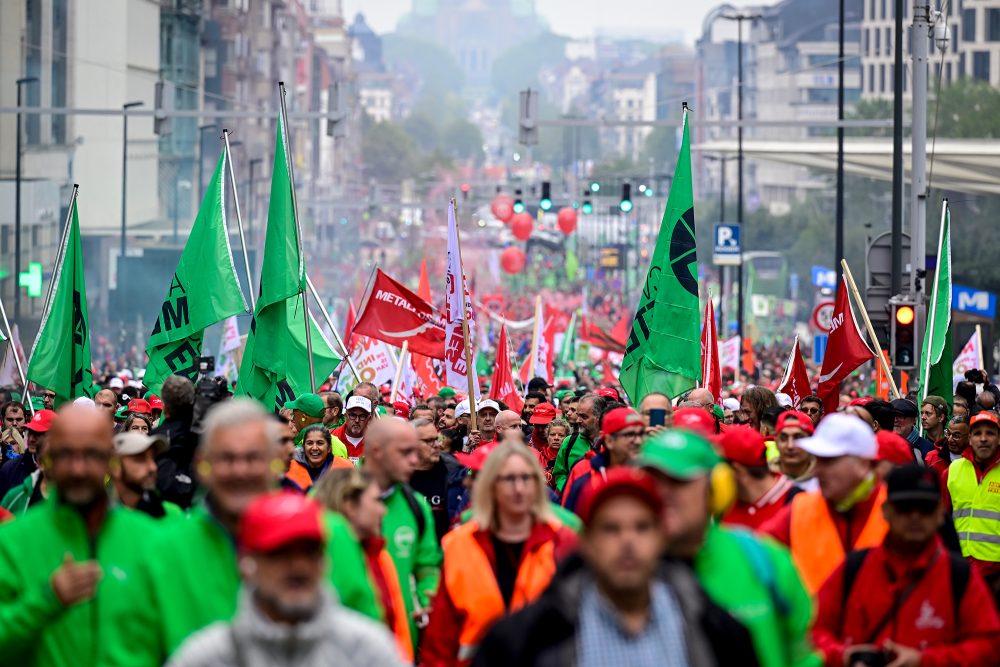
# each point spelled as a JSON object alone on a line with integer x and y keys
{"x": 815, "y": 543}
{"x": 475, "y": 596}
{"x": 300, "y": 475}
{"x": 400, "y": 622}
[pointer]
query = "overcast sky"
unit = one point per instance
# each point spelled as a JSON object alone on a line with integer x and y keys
{"x": 577, "y": 18}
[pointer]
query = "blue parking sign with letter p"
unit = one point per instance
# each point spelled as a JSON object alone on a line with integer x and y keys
{"x": 726, "y": 248}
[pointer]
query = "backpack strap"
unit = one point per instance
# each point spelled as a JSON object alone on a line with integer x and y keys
{"x": 763, "y": 568}
{"x": 418, "y": 513}
{"x": 960, "y": 571}
{"x": 852, "y": 565}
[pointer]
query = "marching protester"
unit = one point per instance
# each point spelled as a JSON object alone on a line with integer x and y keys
{"x": 556, "y": 431}
{"x": 798, "y": 465}
{"x": 658, "y": 407}
{"x": 908, "y": 601}
{"x": 358, "y": 415}
{"x": 812, "y": 406}
{"x": 285, "y": 616}
{"x": 933, "y": 418}
{"x": 906, "y": 425}
{"x": 951, "y": 446}
{"x": 760, "y": 493}
{"x": 499, "y": 561}
{"x": 13, "y": 473}
{"x": 315, "y": 457}
{"x": 589, "y": 412}
{"x": 133, "y": 474}
{"x": 622, "y": 431}
{"x": 333, "y": 408}
{"x": 438, "y": 475}
{"x": 175, "y": 475}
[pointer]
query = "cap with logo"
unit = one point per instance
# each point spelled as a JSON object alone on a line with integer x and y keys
{"x": 358, "y": 402}
{"x": 543, "y": 414}
{"x": 893, "y": 448}
{"x": 155, "y": 402}
{"x": 680, "y": 454}
{"x": 620, "y": 481}
{"x": 274, "y": 520}
{"x": 744, "y": 445}
{"x": 140, "y": 405}
{"x": 938, "y": 403}
{"x": 619, "y": 419}
{"x": 41, "y": 421}
{"x": 794, "y": 419}
{"x": 985, "y": 417}
{"x": 116, "y": 383}
{"x": 694, "y": 419}
{"x": 608, "y": 393}
{"x": 841, "y": 434}
{"x": 133, "y": 442}
{"x": 310, "y": 405}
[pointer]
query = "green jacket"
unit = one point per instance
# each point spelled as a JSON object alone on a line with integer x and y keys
{"x": 572, "y": 450}
{"x": 17, "y": 499}
{"x": 190, "y": 580}
{"x": 415, "y": 553}
{"x": 754, "y": 580}
{"x": 35, "y": 629}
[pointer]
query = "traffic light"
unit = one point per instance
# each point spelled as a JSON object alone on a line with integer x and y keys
{"x": 902, "y": 339}
{"x": 465, "y": 191}
{"x": 518, "y": 204}
{"x": 595, "y": 187}
{"x": 587, "y": 207}
{"x": 626, "y": 203}
{"x": 546, "y": 202}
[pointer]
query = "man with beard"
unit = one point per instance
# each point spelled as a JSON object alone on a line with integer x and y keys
{"x": 352, "y": 433}
{"x": 133, "y": 472}
{"x": 622, "y": 430}
{"x": 283, "y": 601}
{"x": 589, "y": 410}
{"x": 54, "y": 557}
{"x": 189, "y": 577}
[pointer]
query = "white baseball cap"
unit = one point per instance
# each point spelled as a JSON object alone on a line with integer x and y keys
{"x": 359, "y": 402}
{"x": 84, "y": 402}
{"x": 462, "y": 408}
{"x": 731, "y": 404}
{"x": 486, "y": 404}
{"x": 841, "y": 434}
{"x": 133, "y": 442}
{"x": 784, "y": 400}
{"x": 116, "y": 383}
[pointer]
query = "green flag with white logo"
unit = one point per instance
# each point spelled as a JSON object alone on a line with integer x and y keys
{"x": 663, "y": 352}
{"x": 60, "y": 358}
{"x": 275, "y": 365}
{"x": 936, "y": 349}
{"x": 203, "y": 290}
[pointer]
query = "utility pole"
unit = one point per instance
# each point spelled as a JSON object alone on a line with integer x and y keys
{"x": 839, "y": 232}
{"x": 896, "y": 278}
{"x": 17, "y": 203}
{"x": 125, "y": 108}
{"x": 918, "y": 151}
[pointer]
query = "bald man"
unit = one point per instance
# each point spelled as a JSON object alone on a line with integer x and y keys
{"x": 54, "y": 556}
{"x": 392, "y": 453}
{"x": 505, "y": 421}
{"x": 703, "y": 398}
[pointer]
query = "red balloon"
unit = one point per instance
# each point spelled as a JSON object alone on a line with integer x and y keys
{"x": 521, "y": 226}
{"x": 567, "y": 220}
{"x": 502, "y": 208}
{"x": 512, "y": 260}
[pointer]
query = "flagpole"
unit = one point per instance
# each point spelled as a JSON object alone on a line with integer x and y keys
{"x": 17, "y": 360}
{"x": 62, "y": 245}
{"x": 336, "y": 334}
{"x": 469, "y": 369}
{"x": 868, "y": 324}
{"x": 298, "y": 232}
{"x": 239, "y": 219}
{"x": 979, "y": 348}
{"x": 399, "y": 370}
{"x": 925, "y": 371}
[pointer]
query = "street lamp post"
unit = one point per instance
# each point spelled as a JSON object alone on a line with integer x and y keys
{"x": 838, "y": 244}
{"x": 201, "y": 158}
{"x": 125, "y": 108}
{"x": 17, "y": 202}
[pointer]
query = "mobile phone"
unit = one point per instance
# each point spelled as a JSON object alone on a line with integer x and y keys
{"x": 657, "y": 417}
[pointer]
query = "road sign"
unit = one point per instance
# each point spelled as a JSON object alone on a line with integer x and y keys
{"x": 971, "y": 300}
{"x": 822, "y": 316}
{"x": 726, "y": 251}
{"x": 824, "y": 277}
{"x": 32, "y": 279}
{"x": 819, "y": 347}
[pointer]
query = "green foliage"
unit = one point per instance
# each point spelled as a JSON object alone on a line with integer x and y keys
{"x": 463, "y": 140}
{"x": 390, "y": 154}
{"x": 518, "y": 67}
{"x": 433, "y": 63}
{"x": 661, "y": 146}
{"x": 966, "y": 109}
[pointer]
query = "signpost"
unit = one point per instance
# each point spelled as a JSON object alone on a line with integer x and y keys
{"x": 726, "y": 250}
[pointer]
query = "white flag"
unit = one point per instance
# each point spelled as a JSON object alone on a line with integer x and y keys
{"x": 458, "y": 306}
{"x": 968, "y": 359}
{"x": 374, "y": 362}
{"x": 8, "y": 370}
{"x": 729, "y": 354}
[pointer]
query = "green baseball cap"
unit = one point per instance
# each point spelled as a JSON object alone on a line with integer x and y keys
{"x": 310, "y": 405}
{"x": 37, "y": 403}
{"x": 446, "y": 392}
{"x": 122, "y": 412}
{"x": 562, "y": 393}
{"x": 678, "y": 454}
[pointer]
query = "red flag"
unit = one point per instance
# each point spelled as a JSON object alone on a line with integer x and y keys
{"x": 608, "y": 378}
{"x": 424, "y": 286}
{"x": 599, "y": 338}
{"x": 795, "y": 381}
{"x": 711, "y": 374}
{"x": 349, "y": 338}
{"x": 393, "y": 314}
{"x": 502, "y": 387}
{"x": 845, "y": 351}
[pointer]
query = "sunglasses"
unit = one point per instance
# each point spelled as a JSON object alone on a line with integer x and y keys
{"x": 924, "y": 507}
{"x": 810, "y": 411}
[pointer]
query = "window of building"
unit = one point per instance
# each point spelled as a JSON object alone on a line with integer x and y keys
{"x": 947, "y": 73}
{"x": 888, "y": 41}
{"x": 961, "y": 65}
{"x": 878, "y": 42}
{"x": 884, "y": 14}
{"x": 954, "y": 38}
{"x": 981, "y": 65}
{"x": 30, "y": 92}
{"x": 865, "y": 45}
{"x": 993, "y": 25}
{"x": 969, "y": 25}
{"x": 871, "y": 78}
{"x": 60, "y": 22}
{"x": 871, "y": 9}
{"x": 881, "y": 78}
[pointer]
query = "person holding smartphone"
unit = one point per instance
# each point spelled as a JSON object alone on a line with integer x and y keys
{"x": 656, "y": 411}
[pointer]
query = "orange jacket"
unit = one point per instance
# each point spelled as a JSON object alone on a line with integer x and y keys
{"x": 299, "y": 474}
{"x": 386, "y": 584}
{"x": 815, "y": 543}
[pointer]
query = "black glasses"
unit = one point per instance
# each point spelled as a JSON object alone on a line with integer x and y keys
{"x": 924, "y": 507}
{"x": 810, "y": 411}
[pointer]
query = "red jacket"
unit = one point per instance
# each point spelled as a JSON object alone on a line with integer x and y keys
{"x": 753, "y": 515}
{"x": 925, "y": 620}
{"x": 353, "y": 451}
{"x": 987, "y": 568}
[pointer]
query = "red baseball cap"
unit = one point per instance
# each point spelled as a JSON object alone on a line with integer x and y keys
{"x": 984, "y": 416}
{"x": 41, "y": 422}
{"x": 155, "y": 402}
{"x": 607, "y": 392}
{"x": 274, "y": 520}
{"x": 475, "y": 459}
{"x": 543, "y": 414}
{"x": 140, "y": 405}
{"x": 620, "y": 481}
{"x": 893, "y": 448}
{"x": 402, "y": 409}
{"x": 695, "y": 419}
{"x": 743, "y": 444}
{"x": 862, "y": 401}
{"x": 794, "y": 418}
{"x": 619, "y": 419}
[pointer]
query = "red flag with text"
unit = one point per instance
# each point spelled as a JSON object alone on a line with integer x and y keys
{"x": 458, "y": 308}
{"x": 795, "y": 381}
{"x": 392, "y": 314}
{"x": 711, "y": 374}
{"x": 502, "y": 387}
{"x": 845, "y": 351}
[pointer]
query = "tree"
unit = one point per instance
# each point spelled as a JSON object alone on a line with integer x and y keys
{"x": 390, "y": 155}
{"x": 423, "y": 129}
{"x": 463, "y": 140}
{"x": 966, "y": 109}
{"x": 661, "y": 147}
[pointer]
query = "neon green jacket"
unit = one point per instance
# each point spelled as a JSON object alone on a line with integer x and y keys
{"x": 190, "y": 580}
{"x": 35, "y": 628}
{"x": 572, "y": 450}
{"x": 754, "y": 579}
{"x": 415, "y": 553}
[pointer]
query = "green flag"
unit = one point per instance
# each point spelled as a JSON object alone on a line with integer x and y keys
{"x": 60, "y": 358}
{"x": 275, "y": 365}
{"x": 936, "y": 353}
{"x": 204, "y": 290}
{"x": 663, "y": 352}
{"x": 568, "y": 349}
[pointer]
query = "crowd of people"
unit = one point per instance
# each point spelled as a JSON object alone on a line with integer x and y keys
{"x": 190, "y": 528}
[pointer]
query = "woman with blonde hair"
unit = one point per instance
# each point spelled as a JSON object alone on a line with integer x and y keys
{"x": 354, "y": 494}
{"x": 512, "y": 536}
